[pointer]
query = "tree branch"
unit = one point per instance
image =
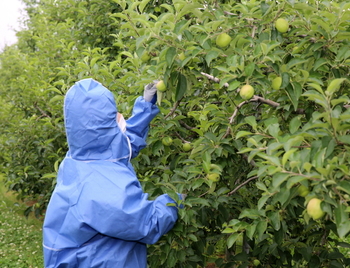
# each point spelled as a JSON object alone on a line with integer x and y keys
{"x": 241, "y": 185}
{"x": 233, "y": 117}
{"x": 172, "y": 111}
{"x": 182, "y": 123}
{"x": 229, "y": 13}
{"x": 255, "y": 97}
{"x": 43, "y": 113}
{"x": 215, "y": 79}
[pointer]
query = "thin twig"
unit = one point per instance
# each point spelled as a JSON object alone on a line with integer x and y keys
{"x": 182, "y": 123}
{"x": 43, "y": 113}
{"x": 233, "y": 117}
{"x": 203, "y": 194}
{"x": 172, "y": 111}
{"x": 262, "y": 100}
{"x": 229, "y": 13}
{"x": 254, "y": 99}
{"x": 181, "y": 138}
{"x": 241, "y": 185}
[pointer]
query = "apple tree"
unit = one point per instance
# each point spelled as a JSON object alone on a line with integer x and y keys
{"x": 249, "y": 156}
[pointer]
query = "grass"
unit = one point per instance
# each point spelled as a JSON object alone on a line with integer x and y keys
{"x": 20, "y": 238}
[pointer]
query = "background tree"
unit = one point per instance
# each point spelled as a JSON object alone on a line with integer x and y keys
{"x": 250, "y": 166}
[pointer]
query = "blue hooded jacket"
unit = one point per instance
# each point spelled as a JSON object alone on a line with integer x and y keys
{"x": 98, "y": 215}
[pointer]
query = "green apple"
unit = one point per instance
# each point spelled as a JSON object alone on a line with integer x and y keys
{"x": 223, "y": 39}
{"x": 167, "y": 141}
{"x": 161, "y": 86}
{"x": 282, "y": 25}
{"x": 213, "y": 177}
{"x": 145, "y": 57}
{"x": 314, "y": 209}
{"x": 181, "y": 56}
{"x": 256, "y": 262}
{"x": 303, "y": 190}
{"x": 246, "y": 92}
{"x": 277, "y": 83}
{"x": 186, "y": 146}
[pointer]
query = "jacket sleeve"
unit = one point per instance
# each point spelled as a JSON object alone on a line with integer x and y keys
{"x": 124, "y": 212}
{"x": 137, "y": 125}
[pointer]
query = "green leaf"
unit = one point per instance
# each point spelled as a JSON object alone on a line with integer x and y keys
{"x": 340, "y": 214}
{"x": 251, "y": 213}
{"x": 241, "y": 134}
{"x": 287, "y": 155}
{"x": 295, "y": 62}
{"x": 294, "y": 124}
{"x": 249, "y": 69}
{"x": 234, "y": 85}
{"x": 264, "y": 7}
{"x": 250, "y": 230}
{"x": 319, "y": 63}
{"x": 274, "y": 217}
{"x": 274, "y": 130}
{"x": 278, "y": 179}
{"x": 212, "y": 54}
{"x": 170, "y": 55}
{"x": 334, "y": 85}
{"x": 143, "y": 4}
{"x": 261, "y": 186}
{"x": 262, "y": 201}
{"x": 335, "y": 102}
{"x": 316, "y": 97}
{"x": 294, "y": 93}
{"x": 285, "y": 80}
{"x": 344, "y": 186}
{"x": 261, "y": 228}
{"x": 139, "y": 40}
{"x": 343, "y": 245}
{"x": 344, "y": 139}
{"x": 251, "y": 120}
{"x": 232, "y": 239}
{"x": 294, "y": 180}
{"x": 343, "y": 53}
{"x": 197, "y": 183}
{"x": 316, "y": 86}
{"x": 170, "y": 8}
{"x": 181, "y": 87}
{"x": 197, "y": 200}
{"x": 192, "y": 237}
{"x": 57, "y": 98}
{"x": 343, "y": 229}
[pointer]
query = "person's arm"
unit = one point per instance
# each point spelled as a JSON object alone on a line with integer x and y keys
{"x": 125, "y": 212}
{"x": 137, "y": 125}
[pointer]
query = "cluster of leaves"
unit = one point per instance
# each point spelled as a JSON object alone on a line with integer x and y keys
{"x": 261, "y": 149}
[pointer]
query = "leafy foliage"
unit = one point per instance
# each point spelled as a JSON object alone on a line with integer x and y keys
{"x": 263, "y": 149}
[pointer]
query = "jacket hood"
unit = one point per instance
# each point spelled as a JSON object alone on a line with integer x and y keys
{"x": 90, "y": 121}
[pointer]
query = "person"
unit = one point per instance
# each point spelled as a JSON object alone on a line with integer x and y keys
{"x": 98, "y": 214}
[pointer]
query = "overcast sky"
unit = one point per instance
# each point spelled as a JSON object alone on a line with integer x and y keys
{"x": 10, "y": 12}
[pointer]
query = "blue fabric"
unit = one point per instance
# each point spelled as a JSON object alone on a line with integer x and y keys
{"x": 98, "y": 215}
